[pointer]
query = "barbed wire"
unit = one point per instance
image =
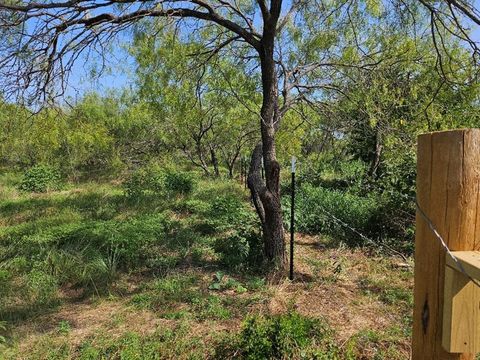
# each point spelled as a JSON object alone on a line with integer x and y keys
{"x": 443, "y": 243}
{"x": 381, "y": 244}
{"x": 431, "y": 226}
{"x": 364, "y": 237}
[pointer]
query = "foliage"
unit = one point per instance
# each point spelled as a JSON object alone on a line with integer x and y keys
{"x": 145, "y": 180}
{"x": 242, "y": 248}
{"x": 154, "y": 180}
{"x": 41, "y": 178}
{"x": 82, "y": 240}
{"x": 99, "y": 135}
{"x": 208, "y": 128}
{"x": 336, "y": 213}
{"x": 286, "y": 336}
{"x": 178, "y": 183}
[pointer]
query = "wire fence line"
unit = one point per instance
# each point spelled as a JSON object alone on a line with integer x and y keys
{"x": 443, "y": 243}
{"x": 432, "y": 228}
{"x": 363, "y": 236}
{"x": 396, "y": 252}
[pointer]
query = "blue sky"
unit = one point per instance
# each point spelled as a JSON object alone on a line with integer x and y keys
{"x": 117, "y": 75}
{"x": 120, "y": 68}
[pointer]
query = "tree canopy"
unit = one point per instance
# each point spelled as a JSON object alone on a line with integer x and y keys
{"x": 208, "y": 70}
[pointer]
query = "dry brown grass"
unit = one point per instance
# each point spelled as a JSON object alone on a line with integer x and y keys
{"x": 343, "y": 286}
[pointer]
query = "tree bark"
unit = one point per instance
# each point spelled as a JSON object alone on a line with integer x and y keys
{"x": 266, "y": 194}
{"x": 214, "y": 158}
{"x": 377, "y": 155}
{"x": 230, "y": 169}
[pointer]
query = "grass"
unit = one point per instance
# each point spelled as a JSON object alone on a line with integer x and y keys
{"x": 87, "y": 273}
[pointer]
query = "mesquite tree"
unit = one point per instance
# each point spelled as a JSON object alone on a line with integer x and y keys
{"x": 43, "y": 40}
{"x": 299, "y": 47}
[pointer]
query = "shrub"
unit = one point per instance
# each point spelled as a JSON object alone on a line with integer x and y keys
{"x": 41, "y": 178}
{"x": 149, "y": 179}
{"x": 233, "y": 250}
{"x": 243, "y": 247}
{"x": 230, "y": 213}
{"x": 134, "y": 186}
{"x": 192, "y": 206}
{"x": 284, "y": 336}
{"x": 329, "y": 172}
{"x": 327, "y": 211}
{"x": 226, "y": 205}
{"x": 397, "y": 184}
{"x": 153, "y": 180}
{"x": 178, "y": 183}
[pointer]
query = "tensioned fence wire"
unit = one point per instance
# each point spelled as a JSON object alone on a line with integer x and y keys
{"x": 442, "y": 242}
{"x": 431, "y": 226}
{"x": 378, "y": 243}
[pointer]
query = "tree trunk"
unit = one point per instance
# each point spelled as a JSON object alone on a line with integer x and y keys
{"x": 214, "y": 162}
{"x": 266, "y": 194}
{"x": 230, "y": 169}
{"x": 377, "y": 155}
{"x": 231, "y": 163}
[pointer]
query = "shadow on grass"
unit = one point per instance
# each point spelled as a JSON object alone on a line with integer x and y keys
{"x": 95, "y": 205}
{"x": 149, "y": 238}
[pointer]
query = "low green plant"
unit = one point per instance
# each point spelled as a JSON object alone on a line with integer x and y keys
{"x": 336, "y": 213}
{"x": 222, "y": 282}
{"x": 41, "y": 178}
{"x": 143, "y": 181}
{"x": 41, "y": 286}
{"x": 255, "y": 283}
{"x": 178, "y": 183}
{"x": 285, "y": 336}
{"x": 175, "y": 289}
{"x": 377, "y": 344}
{"x": 227, "y": 207}
{"x": 386, "y": 292}
{"x": 242, "y": 248}
{"x": 192, "y": 206}
{"x": 64, "y": 327}
{"x": 210, "y": 307}
{"x": 154, "y": 180}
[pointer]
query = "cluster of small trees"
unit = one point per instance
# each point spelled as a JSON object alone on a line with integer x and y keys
{"x": 218, "y": 78}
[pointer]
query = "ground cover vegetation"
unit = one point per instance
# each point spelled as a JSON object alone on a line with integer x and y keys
{"x": 99, "y": 270}
{"x": 147, "y": 222}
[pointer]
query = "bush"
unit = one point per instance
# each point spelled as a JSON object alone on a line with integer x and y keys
{"x": 330, "y": 173}
{"x": 230, "y": 212}
{"x": 153, "y": 180}
{"x": 179, "y": 183}
{"x": 244, "y": 247}
{"x": 284, "y": 336}
{"x": 324, "y": 211}
{"x": 149, "y": 179}
{"x": 397, "y": 184}
{"x": 226, "y": 206}
{"x": 41, "y": 178}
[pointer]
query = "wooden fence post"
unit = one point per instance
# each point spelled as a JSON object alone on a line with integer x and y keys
{"x": 448, "y": 191}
